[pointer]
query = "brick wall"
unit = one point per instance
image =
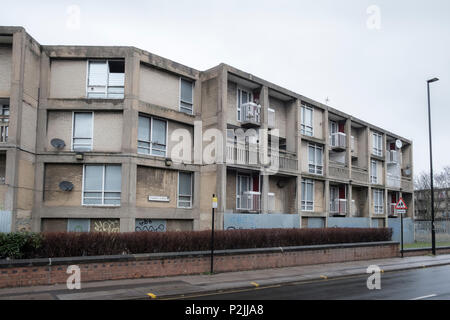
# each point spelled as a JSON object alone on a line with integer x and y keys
{"x": 15, "y": 273}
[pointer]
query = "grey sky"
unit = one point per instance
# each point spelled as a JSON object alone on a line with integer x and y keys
{"x": 316, "y": 48}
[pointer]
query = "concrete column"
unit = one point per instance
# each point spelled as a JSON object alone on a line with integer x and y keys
{"x": 264, "y": 101}
{"x": 348, "y": 151}
{"x": 350, "y": 198}
{"x": 327, "y": 200}
{"x": 326, "y": 154}
{"x": 264, "y": 193}
{"x": 221, "y": 186}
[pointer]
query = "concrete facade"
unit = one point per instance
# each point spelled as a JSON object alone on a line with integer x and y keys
{"x": 45, "y": 86}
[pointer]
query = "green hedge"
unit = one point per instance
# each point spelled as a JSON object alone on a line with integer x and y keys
{"x": 70, "y": 244}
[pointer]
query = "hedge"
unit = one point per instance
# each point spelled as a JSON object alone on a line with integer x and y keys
{"x": 71, "y": 244}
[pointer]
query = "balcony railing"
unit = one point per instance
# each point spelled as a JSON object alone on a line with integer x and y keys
{"x": 353, "y": 144}
{"x": 250, "y": 201}
{"x": 338, "y": 140}
{"x": 251, "y": 155}
{"x": 4, "y": 126}
{"x": 393, "y": 157}
{"x": 337, "y": 170}
{"x": 392, "y": 210}
{"x": 393, "y": 181}
{"x": 407, "y": 184}
{"x": 360, "y": 175}
{"x": 338, "y": 206}
{"x": 251, "y": 114}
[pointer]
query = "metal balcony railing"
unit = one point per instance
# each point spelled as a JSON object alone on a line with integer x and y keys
{"x": 251, "y": 113}
{"x": 4, "y": 126}
{"x": 249, "y": 200}
{"x": 338, "y": 206}
{"x": 393, "y": 157}
{"x": 392, "y": 210}
{"x": 338, "y": 140}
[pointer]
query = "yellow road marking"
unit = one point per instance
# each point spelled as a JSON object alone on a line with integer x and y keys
{"x": 151, "y": 295}
{"x": 254, "y": 283}
{"x": 324, "y": 277}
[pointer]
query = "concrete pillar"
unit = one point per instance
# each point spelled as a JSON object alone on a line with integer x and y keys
{"x": 327, "y": 200}
{"x": 348, "y": 142}
{"x": 350, "y": 198}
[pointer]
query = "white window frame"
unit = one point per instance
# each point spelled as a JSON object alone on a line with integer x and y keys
{"x": 73, "y": 131}
{"x": 377, "y": 144}
{"x": 307, "y": 130}
{"x": 180, "y": 107}
{"x": 378, "y": 201}
{"x": 151, "y": 137}
{"x": 185, "y": 195}
{"x": 305, "y": 205}
{"x": 238, "y": 196}
{"x": 239, "y": 100}
{"x": 103, "y": 188}
{"x": 315, "y": 167}
{"x": 107, "y": 86}
{"x": 374, "y": 173}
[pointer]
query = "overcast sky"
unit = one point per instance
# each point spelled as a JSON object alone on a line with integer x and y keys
{"x": 370, "y": 58}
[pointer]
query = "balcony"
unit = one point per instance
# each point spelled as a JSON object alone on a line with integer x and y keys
{"x": 338, "y": 141}
{"x": 337, "y": 170}
{"x": 393, "y": 181}
{"x": 392, "y": 210}
{"x": 249, "y": 201}
{"x": 360, "y": 175}
{"x": 392, "y": 157}
{"x": 338, "y": 207}
{"x": 283, "y": 159}
{"x": 4, "y": 125}
{"x": 407, "y": 184}
{"x": 251, "y": 114}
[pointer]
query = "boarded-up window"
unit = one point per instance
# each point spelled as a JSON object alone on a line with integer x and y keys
{"x": 152, "y": 136}
{"x": 102, "y": 185}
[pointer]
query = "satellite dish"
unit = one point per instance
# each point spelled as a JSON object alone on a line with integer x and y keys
{"x": 66, "y": 185}
{"x": 58, "y": 143}
{"x": 398, "y": 143}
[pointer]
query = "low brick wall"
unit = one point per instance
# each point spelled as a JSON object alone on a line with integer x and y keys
{"x": 29, "y": 272}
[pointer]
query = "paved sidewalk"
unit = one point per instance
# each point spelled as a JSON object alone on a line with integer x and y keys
{"x": 177, "y": 286}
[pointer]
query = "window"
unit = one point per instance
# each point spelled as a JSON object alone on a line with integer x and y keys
{"x": 4, "y": 113}
{"x": 307, "y": 120}
{"x": 315, "y": 156}
{"x": 377, "y": 144}
{"x": 243, "y": 97}
{"x": 184, "y": 190}
{"x": 102, "y": 185}
{"x": 244, "y": 184}
{"x": 152, "y": 136}
{"x": 82, "y": 131}
{"x": 106, "y": 79}
{"x": 307, "y": 195}
{"x": 186, "y": 96}
{"x": 4, "y": 120}
{"x": 373, "y": 172}
{"x": 378, "y": 201}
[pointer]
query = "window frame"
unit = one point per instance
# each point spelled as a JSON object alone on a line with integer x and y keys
{"x": 305, "y": 205}
{"x": 151, "y": 137}
{"x": 83, "y": 191}
{"x": 239, "y": 100}
{"x": 315, "y": 168}
{"x": 186, "y": 102}
{"x": 373, "y": 173}
{"x": 106, "y": 86}
{"x": 191, "y": 200}
{"x": 250, "y": 186}
{"x": 73, "y": 132}
{"x": 303, "y": 125}
{"x": 378, "y": 208}
{"x": 375, "y": 150}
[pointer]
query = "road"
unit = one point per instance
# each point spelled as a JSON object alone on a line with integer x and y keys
{"x": 418, "y": 284}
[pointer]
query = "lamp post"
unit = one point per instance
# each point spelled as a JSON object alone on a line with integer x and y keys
{"x": 433, "y": 231}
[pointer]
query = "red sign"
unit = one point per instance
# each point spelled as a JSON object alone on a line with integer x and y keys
{"x": 401, "y": 205}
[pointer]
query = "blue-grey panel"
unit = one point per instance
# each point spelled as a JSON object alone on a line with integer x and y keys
{"x": 260, "y": 221}
{"x": 78, "y": 225}
{"x": 150, "y": 225}
{"x": 348, "y": 222}
{"x": 408, "y": 229}
{"x": 5, "y": 221}
{"x": 316, "y": 222}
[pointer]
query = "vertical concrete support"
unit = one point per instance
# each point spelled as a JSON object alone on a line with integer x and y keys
{"x": 264, "y": 101}
{"x": 386, "y": 207}
{"x": 221, "y": 187}
{"x": 327, "y": 201}
{"x": 196, "y": 203}
{"x": 350, "y": 202}
{"x": 369, "y": 199}
{"x": 348, "y": 142}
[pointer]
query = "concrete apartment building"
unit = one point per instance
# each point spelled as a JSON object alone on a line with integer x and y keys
{"x": 115, "y": 138}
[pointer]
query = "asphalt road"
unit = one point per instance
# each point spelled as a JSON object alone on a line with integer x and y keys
{"x": 417, "y": 284}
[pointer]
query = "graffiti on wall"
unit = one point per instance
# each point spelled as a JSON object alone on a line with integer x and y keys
{"x": 106, "y": 225}
{"x": 150, "y": 225}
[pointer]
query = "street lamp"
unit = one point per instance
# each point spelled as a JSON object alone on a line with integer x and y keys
{"x": 433, "y": 231}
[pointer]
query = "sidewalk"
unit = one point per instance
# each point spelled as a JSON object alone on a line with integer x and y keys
{"x": 173, "y": 287}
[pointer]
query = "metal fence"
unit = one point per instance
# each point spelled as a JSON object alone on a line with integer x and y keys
{"x": 422, "y": 231}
